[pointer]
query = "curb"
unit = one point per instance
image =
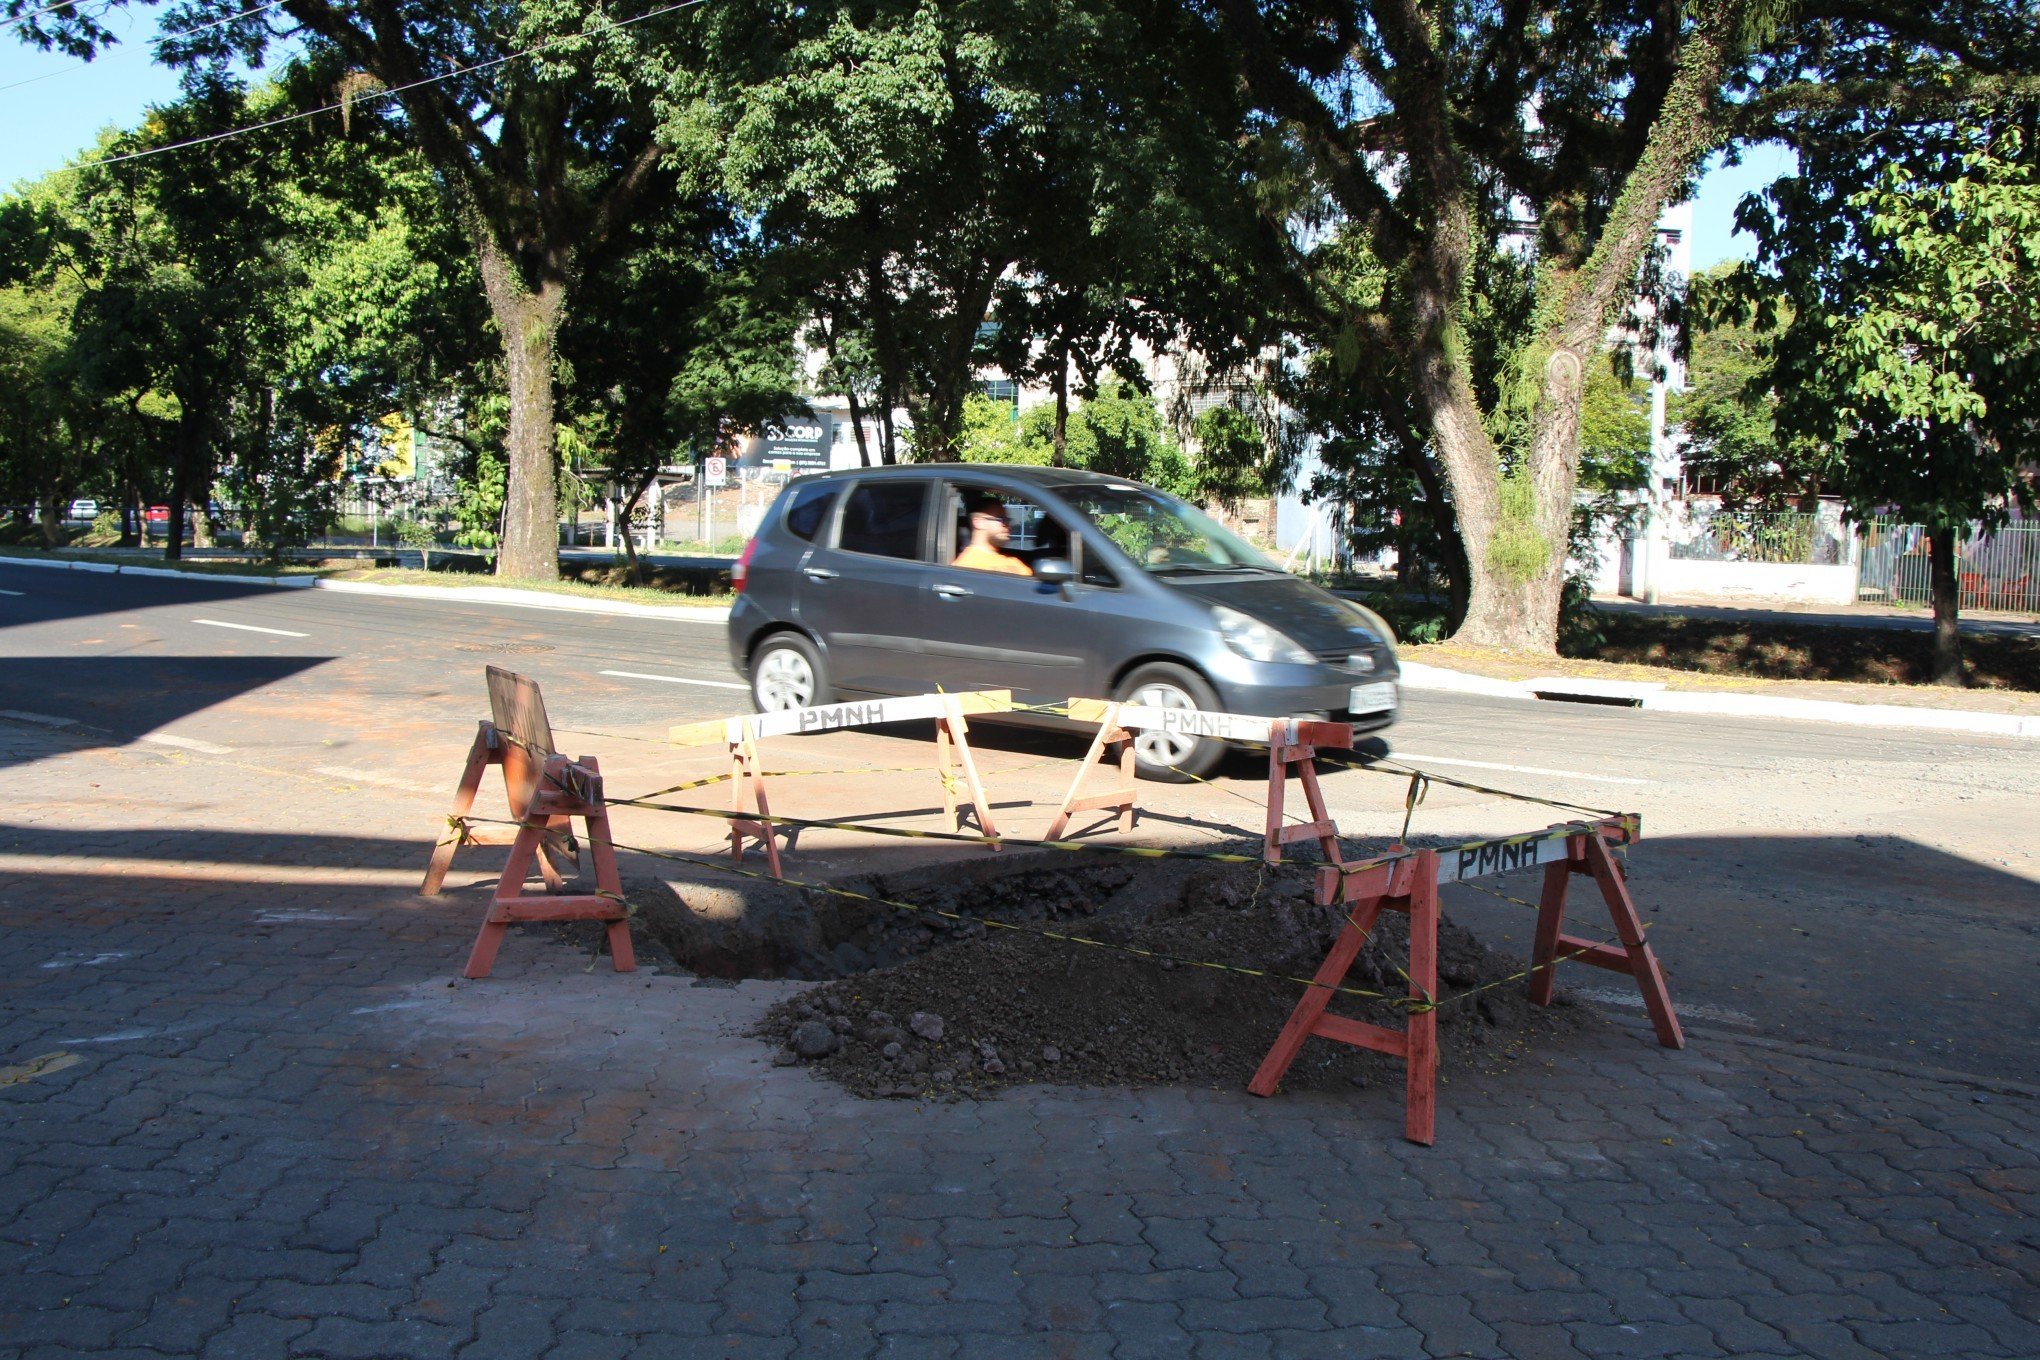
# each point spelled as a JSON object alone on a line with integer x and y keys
{"x": 498, "y": 595}
{"x": 1655, "y": 696}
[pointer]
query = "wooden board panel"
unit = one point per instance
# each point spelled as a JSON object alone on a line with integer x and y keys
{"x": 1198, "y": 722}
{"x": 834, "y": 717}
{"x": 518, "y": 710}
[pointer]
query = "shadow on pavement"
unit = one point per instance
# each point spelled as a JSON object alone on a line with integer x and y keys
{"x": 1883, "y": 948}
{"x": 112, "y": 700}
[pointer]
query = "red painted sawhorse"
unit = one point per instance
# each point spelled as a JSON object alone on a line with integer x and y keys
{"x": 1408, "y": 882}
{"x": 567, "y": 789}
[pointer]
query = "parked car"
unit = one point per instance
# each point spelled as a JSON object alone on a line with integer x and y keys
{"x": 849, "y": 589}
{"x": 84, "y": 510}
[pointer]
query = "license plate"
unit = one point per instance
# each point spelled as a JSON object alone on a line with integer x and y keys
{"x": 1376, "y": 698}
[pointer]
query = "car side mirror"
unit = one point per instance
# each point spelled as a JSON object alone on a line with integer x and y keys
{"x": 1056, "y": 571}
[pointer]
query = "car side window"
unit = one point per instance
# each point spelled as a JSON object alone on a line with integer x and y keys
{"x": 885, "y": 519}
{"x": 1090, "y": 570}
{"x": 1032, "y": 533}
{"x": 809, "y": 508}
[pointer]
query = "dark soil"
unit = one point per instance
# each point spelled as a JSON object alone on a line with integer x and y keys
{"x": 1789, "y": 651}
{"x": 1018, "y": 1006}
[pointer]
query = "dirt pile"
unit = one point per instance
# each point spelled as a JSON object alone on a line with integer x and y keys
{"x": 951, "y": 1008}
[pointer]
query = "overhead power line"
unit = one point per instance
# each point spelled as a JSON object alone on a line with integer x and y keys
{"x": 390, "y": 92}
{"x": 38, "y": 13}
{"x": 161, "y": 34}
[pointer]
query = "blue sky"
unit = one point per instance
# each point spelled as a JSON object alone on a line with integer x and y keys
{"x": 59, "y": 111}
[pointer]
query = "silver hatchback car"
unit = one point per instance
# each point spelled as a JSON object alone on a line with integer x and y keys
{"x": 1053, "y": 584}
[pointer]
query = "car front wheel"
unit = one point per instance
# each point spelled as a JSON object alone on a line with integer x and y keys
{"x": 787, "y": 672}
{"x": 1171, "y": 757}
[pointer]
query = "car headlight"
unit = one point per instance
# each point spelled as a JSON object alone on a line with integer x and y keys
{"x": 1372, "y": 622}
{"x": 1254, "y": 639}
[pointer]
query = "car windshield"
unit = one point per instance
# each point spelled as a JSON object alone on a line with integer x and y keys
{"x": 1164, "y": 535}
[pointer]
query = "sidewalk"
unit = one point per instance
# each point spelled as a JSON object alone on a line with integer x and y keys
{"x": 252, "y": 1111}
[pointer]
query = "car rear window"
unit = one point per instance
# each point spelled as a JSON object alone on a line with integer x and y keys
{"x": 885, "y": 519}
{"x": 809, "y": 507}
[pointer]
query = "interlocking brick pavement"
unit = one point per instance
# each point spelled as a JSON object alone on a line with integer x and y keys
{"x": 295, "y": 1132}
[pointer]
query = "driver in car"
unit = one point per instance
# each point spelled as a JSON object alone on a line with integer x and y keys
{"x": 989, "y": 531}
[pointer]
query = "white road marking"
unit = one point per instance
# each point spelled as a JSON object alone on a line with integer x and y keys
{"x": 39, "y": 719}
{"x": 9, "y": 592}
{"x": 674, "y": 679}
{"x": 1692, "y": 1009}
{"x": 350, "y": 775}
{"x": 1523, "y": 769}
{"x": 72, "y": 961}
{"x": 249, "y": 628}
{"x": 210, "y": 748}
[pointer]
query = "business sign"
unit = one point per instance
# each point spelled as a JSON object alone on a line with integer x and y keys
{"x": 802, "y": 441}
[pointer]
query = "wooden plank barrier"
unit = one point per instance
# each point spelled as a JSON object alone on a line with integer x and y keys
{"x": 1409, "y": 882}
{"x": 546, "y": 791}
{"x": 1113, "y": 738}
{"x": 1292, "y": 746}
{"x": 954, "y": 765}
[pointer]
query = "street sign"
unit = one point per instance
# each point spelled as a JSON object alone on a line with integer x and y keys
{"x": 717, "y": 471}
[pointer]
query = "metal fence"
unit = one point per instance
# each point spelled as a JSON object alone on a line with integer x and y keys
{"x": 1775, "y": 536}
{"x": 1995, "y": 570}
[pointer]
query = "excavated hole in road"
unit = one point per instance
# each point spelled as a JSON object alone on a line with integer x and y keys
{"x": 913, "y": 1004}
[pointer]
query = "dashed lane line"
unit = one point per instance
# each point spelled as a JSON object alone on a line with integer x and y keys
{"x": 674, "y": 679}
{"x": 9, "y": 592}
{"x": 209, "y": 748}
{"x": 249, "y": 628}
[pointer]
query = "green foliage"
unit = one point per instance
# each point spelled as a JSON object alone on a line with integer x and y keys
{"x": 1235, "y": 456}
{"x": 478, "y": 502}
{"x": 1909, "y": 353}
{"x": 1518, "y": 551}
{"x": 416, "y": 533}
{"x": 991, "y": 434}
{"x": 1728, "y": 411}
{"x": 1614, "y": 431}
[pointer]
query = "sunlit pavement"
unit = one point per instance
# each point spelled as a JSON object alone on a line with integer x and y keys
{"x": 252, "y": 1110}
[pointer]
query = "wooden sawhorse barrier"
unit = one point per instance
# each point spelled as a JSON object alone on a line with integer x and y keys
{"x": 1408, "y": 882}
{"x": 1293, "y": 747}
{"x": 750, "y": 805}
{"x": 546, "y": 791}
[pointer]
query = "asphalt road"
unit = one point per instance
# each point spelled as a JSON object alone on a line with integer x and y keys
{"x": 1861, "y": 890}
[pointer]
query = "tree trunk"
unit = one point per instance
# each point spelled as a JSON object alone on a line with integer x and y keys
{"x": 1516, "y": 528}
{"x": 173, "y": 550}
{"x": 1061, "y": 455}
{"x": 51, "y": 516}
{"x": 636, "y": 568}
{"x": 857, "y": 424}
{"x": 1946, "y": 590}
{"x": 528, "y": 320}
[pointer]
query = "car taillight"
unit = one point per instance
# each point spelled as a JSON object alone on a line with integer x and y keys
{"x": 743, "y": 568}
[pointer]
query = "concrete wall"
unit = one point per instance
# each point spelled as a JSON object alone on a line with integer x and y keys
{"x": 1681, "y": 580}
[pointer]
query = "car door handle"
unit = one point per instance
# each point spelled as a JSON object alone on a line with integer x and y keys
{"x": 818, "y": 573}
{"x": 949, "y": 592}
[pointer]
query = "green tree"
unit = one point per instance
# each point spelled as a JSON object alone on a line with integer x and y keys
{"x": 1728, "y": 411}
{"x": 1911, "y": 351}
{"x": 543, "y": 156}
{"x": 1594, "y": 116}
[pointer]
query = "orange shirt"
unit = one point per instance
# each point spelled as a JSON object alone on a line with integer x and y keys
{"x": 978, "y": 557}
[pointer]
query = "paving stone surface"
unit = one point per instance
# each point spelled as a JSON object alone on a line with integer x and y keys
{"x": 290, "y": 1129}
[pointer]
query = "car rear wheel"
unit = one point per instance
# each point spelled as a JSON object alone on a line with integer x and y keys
{"x": 1171, "y": 757}
{"x": 787, "y": 672}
